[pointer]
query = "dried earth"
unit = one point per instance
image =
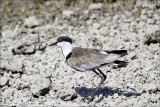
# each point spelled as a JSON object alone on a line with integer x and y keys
{"x": 32, "y": 73}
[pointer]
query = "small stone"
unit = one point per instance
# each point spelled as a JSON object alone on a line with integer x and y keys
{"x": 150, "y": 21}
{"x": 103, "y": 30}
{"x": 14, "y": 65}
{"x": 131, "y": 55}
{"x": 145, "y": 4}
{"x": 141, "y": 24}
{"x": 26, "y": 45}
{"x": 31, "y": 22}
{"x": 138, "y": 3}
{"x": 42, "y": 46}
{"x": 66, "y": 14}
{"x": 156, "y": 16}
{"x": 143, "y": 12}
{"x": 93, "y": 16}
{"x": 3, "y": 81}
{"x": 95, "y": 6}
{"x": 115, "y": 95}
{"x": 158, "y": 102}
{"x": 111, "y": 33}
{"x": 154, "y": 97}
{"x": 150, "y": 13}
{"x": 123, "y": 103}
{"x": 96, "y": 98}
{"x": 24, "y": 77}
{"x": 86, "y": 12}
{"x": 151, "y": 6}
{"x": 151, "y": 86}
{"x": 85, "y": 15}
{"x": 96, "y": 25}
{"x": 133, "y": 23}
{"x": 143, "y": 17}
{"x": 128, "y": 13}
{"x": 115, "y": 18}
{"x": 39, "y": 85}
{"x": 7, "y": 93}
{"x": 9, "y": 34}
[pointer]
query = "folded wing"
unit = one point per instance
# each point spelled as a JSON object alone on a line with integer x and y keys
{"x": 86, "y": 59}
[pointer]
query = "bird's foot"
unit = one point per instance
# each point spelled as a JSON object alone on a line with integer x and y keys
{"x": 90, "y": 97}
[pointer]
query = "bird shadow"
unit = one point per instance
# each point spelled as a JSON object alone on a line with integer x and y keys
{"x": 105, "y": 91}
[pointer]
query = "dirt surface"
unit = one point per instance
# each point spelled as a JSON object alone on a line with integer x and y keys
{"x": 32, "y": 73}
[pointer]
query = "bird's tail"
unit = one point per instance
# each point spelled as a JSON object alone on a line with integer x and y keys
{"x": 120, "y": 63}
{"x": 120, "y": 52}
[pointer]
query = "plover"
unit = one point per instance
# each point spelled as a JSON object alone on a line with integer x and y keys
{"x": 86, "y": 59}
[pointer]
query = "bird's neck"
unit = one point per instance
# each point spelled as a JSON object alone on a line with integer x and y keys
{"x": 67, "y": 49}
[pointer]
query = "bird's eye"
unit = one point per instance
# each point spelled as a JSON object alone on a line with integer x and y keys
{"x": 60, "y": 40}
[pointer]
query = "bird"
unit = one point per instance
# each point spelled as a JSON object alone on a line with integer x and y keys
{"x": 88, "y": 59}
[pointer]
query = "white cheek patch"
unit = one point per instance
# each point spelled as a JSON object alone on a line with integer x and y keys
{"x": 60, "y": 44}
{"x": 66, "y": 47}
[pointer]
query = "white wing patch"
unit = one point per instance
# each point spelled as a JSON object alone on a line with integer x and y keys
{"x": 101, "y": 52}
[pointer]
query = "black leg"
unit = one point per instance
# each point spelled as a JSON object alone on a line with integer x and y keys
{"x": 103, "y": 77}
{"x": 96, "y": 72}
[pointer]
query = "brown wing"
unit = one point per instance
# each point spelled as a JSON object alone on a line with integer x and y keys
{"x": 85, "y": 59}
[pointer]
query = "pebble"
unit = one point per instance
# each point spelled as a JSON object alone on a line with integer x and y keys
{"x": 3, "y": 81}
{"x": 133, "y": 23}
{"x": 38, "y": 83}
{"x": 32, "y": 21}
{"x": 95, "y": 6}
{"x": 116, "y": 17}
{"x": 96, "y": 26}
{"x": 103, "y": 31}
{"x": 66, "y": 14}
{"x": 152, "y": 6}
{"x": 156, "y": 16}
{"x": 8, "y": 93}
{"x": 139, "y": 3}
{"x": 143, "y": 17}
{"x": 36, "y": 74}
{"x": 28, "y": 45}
{"x": 151, "y": 86}
{"x": 150, "y": 14}
{"x": 14, "y": 65}
{"x": 154, "y": 97}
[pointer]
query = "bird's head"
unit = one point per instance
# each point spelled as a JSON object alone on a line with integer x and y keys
{"x": 62, "y": 41}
